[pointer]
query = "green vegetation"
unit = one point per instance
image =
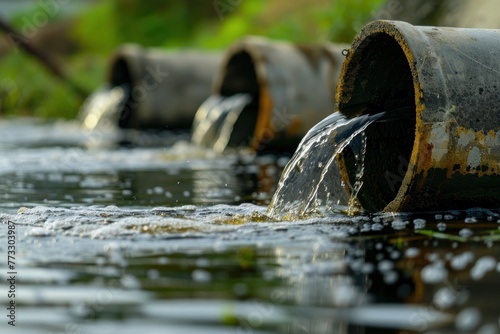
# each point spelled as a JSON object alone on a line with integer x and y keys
{"x": 26, "y": 88}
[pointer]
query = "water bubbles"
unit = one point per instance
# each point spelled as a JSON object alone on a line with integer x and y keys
{"x": 385, "y": 265}
{"x": 419, "y": 223}
{"x": 434, "y": 273}
{"x": 367, "y": 268}
{"x": 482, "y": 266}
{"x": 202, "y": 262}
{"x": 468, "y": 319}
{"x": 465, "y": 232}
{"x": 153, "y": 274}
{"x": 158, "y": 190}
{"x": 130, "y": 282}
{"x": 390, "y": 277}
{"x": 432, "y": 257}
{"x": 412, "y": 252}
{"x": 445, "y": 298}
{"x": 395, "y": 254}
{"x": 461, "y": 261}
{"x": 441, "y": 227}
{"x": 470, "y": 220}
{"x": 399, "y": 224}
{"x": 201, "y": 276}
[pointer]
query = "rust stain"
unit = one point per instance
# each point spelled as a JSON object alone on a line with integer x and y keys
{"x": 263, "y": 127}
{"x": 294, "y": 128}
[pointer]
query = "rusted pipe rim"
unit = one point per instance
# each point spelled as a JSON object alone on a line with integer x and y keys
{"x": 124, "y": 65}
{"x": 250, "y": 66}
{"x": 377, "y": 40}
{"x": 293, "y": 88}
{"x": 452, "y": 143}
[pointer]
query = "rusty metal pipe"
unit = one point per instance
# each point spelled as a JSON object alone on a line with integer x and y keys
{"x": 447, "y": 156}
{"x": 293, "y": 88}
{"x": 166, "y": 88}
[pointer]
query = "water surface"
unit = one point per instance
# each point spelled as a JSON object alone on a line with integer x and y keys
{"x": 171, "y": 238}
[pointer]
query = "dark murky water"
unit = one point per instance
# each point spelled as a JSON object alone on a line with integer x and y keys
{"x": 173, "y": 239}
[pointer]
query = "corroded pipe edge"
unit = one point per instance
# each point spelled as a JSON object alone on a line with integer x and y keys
{"x": 130, "y": 55}
{"x": 428, "y": 157}
{"x": 345, "y": 90}
{"x": 263, "y": 52}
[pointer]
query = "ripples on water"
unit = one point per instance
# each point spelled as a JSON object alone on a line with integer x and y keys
{"x": 173, "y": 239}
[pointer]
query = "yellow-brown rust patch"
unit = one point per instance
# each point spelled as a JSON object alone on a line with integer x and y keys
{"x": 263, "y": 127}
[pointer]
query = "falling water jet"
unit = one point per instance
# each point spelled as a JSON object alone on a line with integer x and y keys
{"x": 214, "y": 121}
{"x": 312, "y": 181}
{"x": 103, "y": 108}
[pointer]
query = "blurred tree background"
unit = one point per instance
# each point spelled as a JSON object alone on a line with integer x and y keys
{"x": 82, "y": 41}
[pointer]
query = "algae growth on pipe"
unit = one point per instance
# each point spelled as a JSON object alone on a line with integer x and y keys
{"x": 291, "y": 88}
{"x": 162, "y": 89}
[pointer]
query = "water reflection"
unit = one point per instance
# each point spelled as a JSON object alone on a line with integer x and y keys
{"x": 104, "y": 247}
{"x": 178, "y": 185}
{"x": 340, "y": 274}
{"x": 171, "y": 174}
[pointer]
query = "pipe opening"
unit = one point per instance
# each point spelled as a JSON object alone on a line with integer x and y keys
{"x": 120, "y": 73}
{"x": 241, "y": 77}
{"x": 121, "y": 76}
{"x": 377, "y": 78}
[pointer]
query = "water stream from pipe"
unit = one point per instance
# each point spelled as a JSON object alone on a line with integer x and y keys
{"x": 104, "y": 107}
{"x": 215, "y": 119}
{"x": 312, "y": 182}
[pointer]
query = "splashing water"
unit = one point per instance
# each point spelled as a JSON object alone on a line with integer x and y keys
{"x": 103, "y": 108}
{"x": 215, "y": 119}
{"x": 311, "y": 181}
{"x": 162, "y": 261}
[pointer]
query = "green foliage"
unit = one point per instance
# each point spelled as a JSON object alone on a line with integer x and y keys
{"x": 35, "y": 17}
{"x": 26, "y": 88}
{"x": 300, "y": 21}
{"x": 349, "y": 16}
{"x": 96, "y": 30}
